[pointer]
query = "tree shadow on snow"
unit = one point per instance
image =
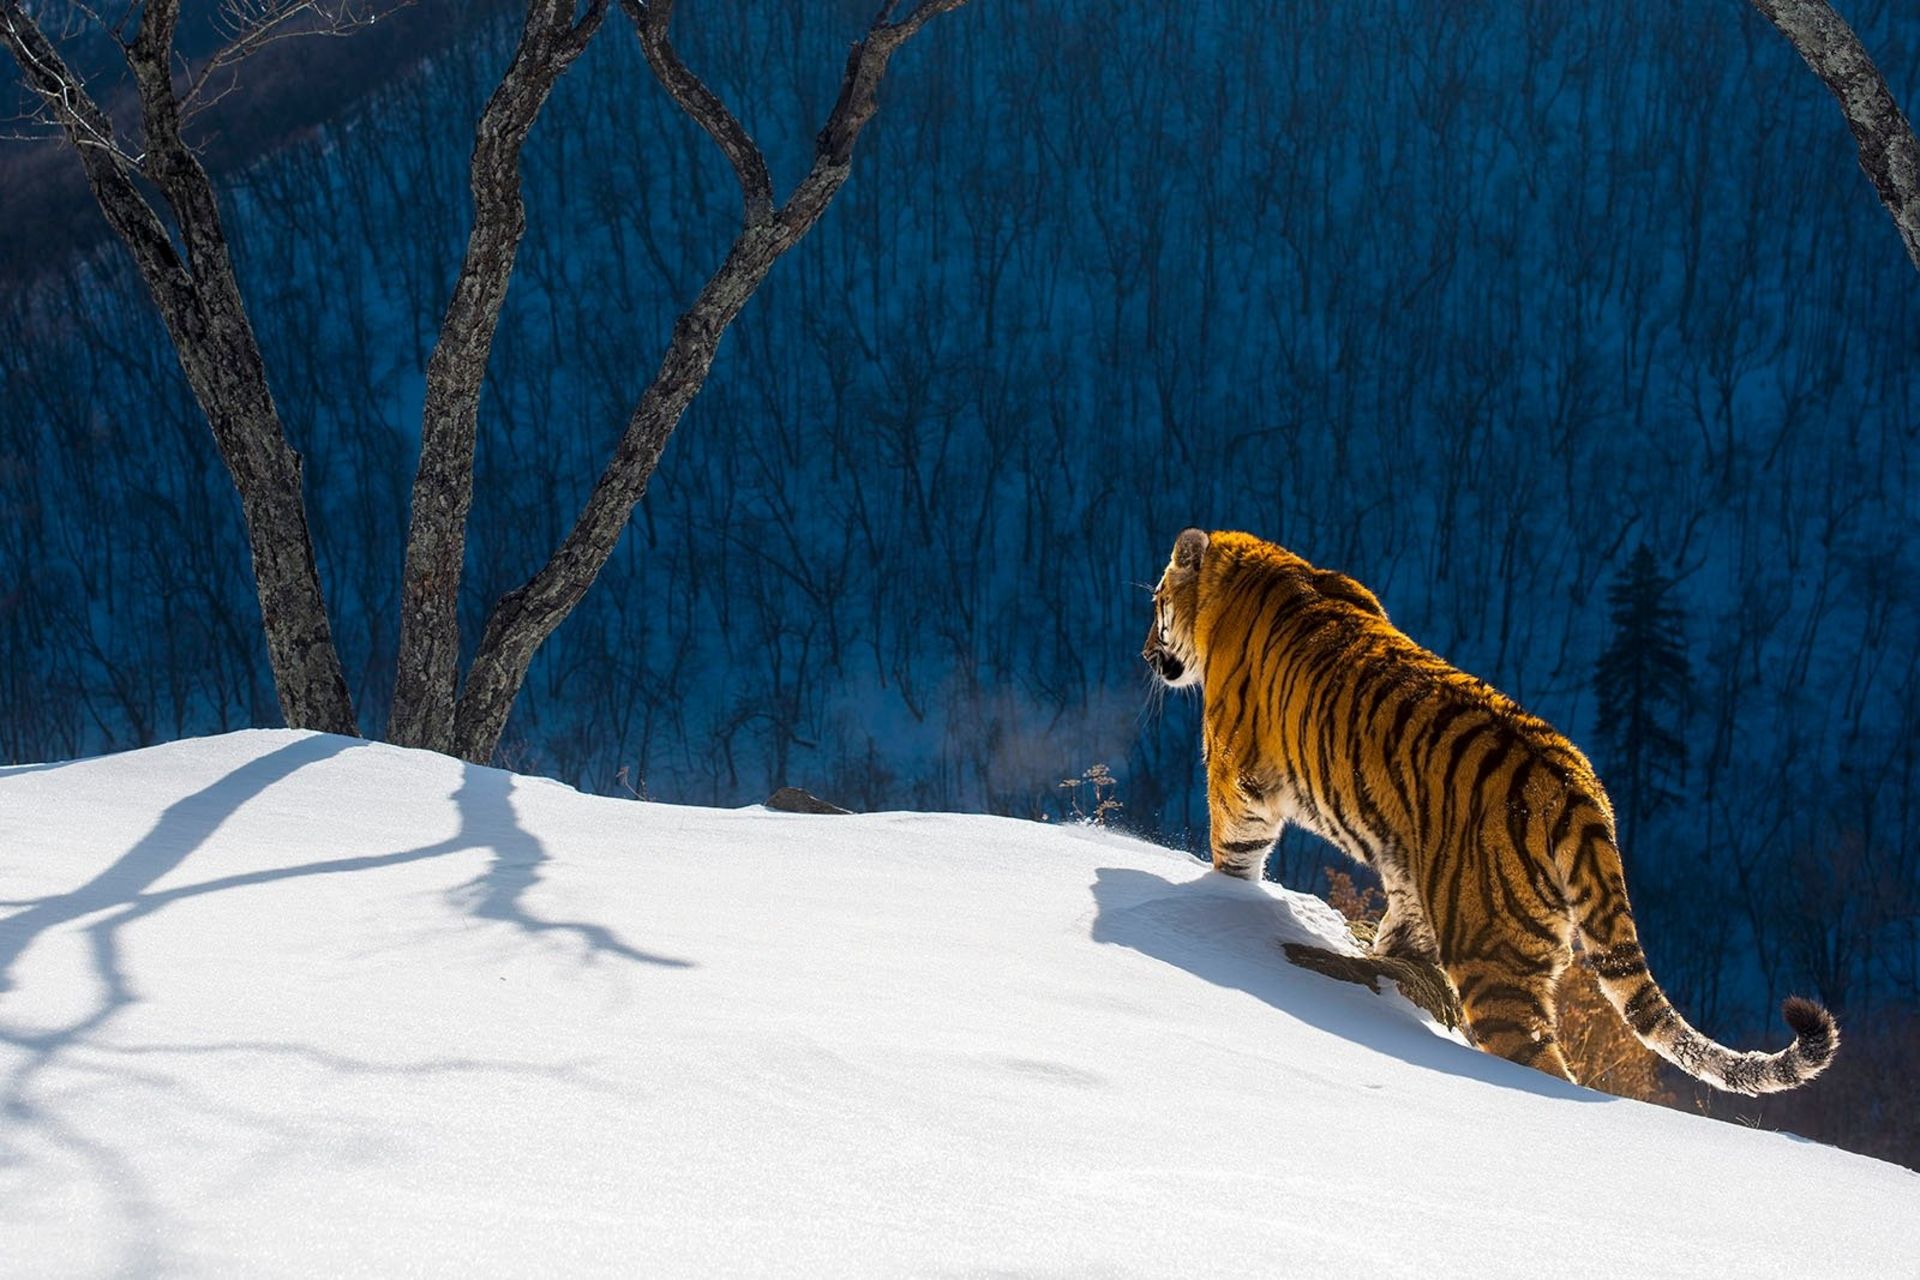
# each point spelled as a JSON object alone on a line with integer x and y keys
{"x": 181, "y": 828}
{"x": 1229, "y": 932}
{"x": 486, "y": 821}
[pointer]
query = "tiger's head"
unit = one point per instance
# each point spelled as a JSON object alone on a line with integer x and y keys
{"x": 1171, "y": 649}
{"x": 1289, "y": 582}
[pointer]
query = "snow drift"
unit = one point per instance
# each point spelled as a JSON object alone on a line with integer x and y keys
{"x": 284, "y": 1003}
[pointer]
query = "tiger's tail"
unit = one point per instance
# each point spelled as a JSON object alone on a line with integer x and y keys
{"x": 1597, "y": 901}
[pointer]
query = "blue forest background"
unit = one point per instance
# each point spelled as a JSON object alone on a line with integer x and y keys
{"x": 1471, "y": 302}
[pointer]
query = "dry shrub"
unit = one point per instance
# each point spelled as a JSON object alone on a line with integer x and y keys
{"x": 1356, "y": 903}
{"x": 1600, "y": 1047}
{"x": 1101, "y": 806}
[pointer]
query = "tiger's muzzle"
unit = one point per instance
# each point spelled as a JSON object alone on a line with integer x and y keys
{"x": 1164, "y": 664}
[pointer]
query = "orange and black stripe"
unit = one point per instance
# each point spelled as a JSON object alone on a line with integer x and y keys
{"x": 1493, "y": 836}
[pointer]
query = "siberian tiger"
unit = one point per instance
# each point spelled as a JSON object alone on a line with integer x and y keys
{"x": 1490, "y": 832}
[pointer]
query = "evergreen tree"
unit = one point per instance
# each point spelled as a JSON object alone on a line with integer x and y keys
{"x": 1643, "y": 685}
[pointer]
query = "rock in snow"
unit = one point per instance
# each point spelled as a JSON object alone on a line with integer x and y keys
{"x": 279, "y": 1003}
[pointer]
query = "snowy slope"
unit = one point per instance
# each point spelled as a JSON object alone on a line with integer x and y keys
{"x": 279, "y": 1003}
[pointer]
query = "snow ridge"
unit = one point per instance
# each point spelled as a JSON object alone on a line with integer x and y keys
{"x": 284, "y": 1003}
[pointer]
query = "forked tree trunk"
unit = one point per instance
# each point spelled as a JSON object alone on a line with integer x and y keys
{"x": 199, "y": 299}
{"x": 427, "y": 672}
{"x": 523, "y": 619}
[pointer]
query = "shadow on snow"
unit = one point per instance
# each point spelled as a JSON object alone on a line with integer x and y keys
{"x": 1229, "y": 932}
{"x": 486, "y": 821}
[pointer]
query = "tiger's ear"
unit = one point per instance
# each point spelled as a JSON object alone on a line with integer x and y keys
{"x": 1187, "y": 550}
{"x": 1340, "y": 587}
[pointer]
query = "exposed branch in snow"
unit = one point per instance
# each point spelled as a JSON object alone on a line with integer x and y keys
{"x": 1424, "y": 984}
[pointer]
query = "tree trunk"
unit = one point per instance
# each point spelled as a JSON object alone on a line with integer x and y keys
{"x": 427, "y": 672}
{"x": 1888, "y": 151}
{"x": 199, "y": 300}
{"x": 523, "y": 619}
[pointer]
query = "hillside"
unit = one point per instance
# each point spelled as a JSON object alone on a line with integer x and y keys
{"x": 277, "y": 1003}
{"x": 1474, "y": 304}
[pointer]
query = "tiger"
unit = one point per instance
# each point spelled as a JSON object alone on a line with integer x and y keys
{"x": 1492, "y": 836}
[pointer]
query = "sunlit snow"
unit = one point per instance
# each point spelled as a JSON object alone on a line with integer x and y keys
{"x": 277, "y": 1003}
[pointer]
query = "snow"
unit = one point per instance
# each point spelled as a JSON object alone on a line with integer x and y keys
{"x": 278, "y": 1003}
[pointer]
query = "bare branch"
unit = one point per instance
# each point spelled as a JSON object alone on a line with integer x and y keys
{"x": 691, "y": 94}
{"x": 108, "y": 166}
{"x": 119, "y": 27}
{"x": 574, "y": 42}
{"x": 866, "y": 64}
{"x": 252, "y": 25}
{"x": 62, "y": 97}
{"x": 1888, "y": 151}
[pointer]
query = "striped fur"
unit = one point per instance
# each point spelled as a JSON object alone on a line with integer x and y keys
{"x": 1491, "y": 834}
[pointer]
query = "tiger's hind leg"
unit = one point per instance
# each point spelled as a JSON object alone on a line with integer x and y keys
{"x": 1404, "y": 931}
{"x": 1509, "y": 1008}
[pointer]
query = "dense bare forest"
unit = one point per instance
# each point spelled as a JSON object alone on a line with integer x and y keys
{"x": 1473, "y": 305}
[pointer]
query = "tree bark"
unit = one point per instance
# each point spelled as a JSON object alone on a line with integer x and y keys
{"x": 523, "y": 618}
{"x": 1888, "y": 151}
{"x": 199, "y": 301}
{"x": 427, "y": 673}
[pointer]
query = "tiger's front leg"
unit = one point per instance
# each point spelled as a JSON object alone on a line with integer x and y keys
{"x": 1243, "y": 820}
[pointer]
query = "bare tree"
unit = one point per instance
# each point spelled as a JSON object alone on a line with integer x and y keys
{"x": 207, "y": 320}
{"x": 523, "y": 618}
{"x": 423, "y": 696}
{"x": 192, "y": 282}
{"x": 1888, "y": 151}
